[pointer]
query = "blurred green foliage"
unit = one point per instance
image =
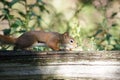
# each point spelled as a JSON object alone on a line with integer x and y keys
{"x": 90, "y": 23}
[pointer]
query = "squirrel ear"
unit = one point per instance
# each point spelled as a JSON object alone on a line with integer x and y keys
{"x": 66, "y": 34}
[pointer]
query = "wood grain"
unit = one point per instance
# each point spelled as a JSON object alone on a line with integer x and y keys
{"x": 81, "y": 65}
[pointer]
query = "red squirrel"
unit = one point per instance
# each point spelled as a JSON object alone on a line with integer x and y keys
{"x": 52, "y": 39}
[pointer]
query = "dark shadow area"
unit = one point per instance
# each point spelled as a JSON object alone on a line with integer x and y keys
{"x": 25, "y": 65}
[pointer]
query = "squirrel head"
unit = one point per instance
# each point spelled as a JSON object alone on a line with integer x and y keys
{"x": 68, "y": 42}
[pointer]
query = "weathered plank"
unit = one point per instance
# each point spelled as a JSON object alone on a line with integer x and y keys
{"x": 100, "y": 65}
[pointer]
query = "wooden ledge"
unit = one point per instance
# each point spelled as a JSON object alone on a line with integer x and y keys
{"x": 4, "y": 55}
{"x": 61, "y": 65}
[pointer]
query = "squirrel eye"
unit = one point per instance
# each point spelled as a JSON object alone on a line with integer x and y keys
{"x": 71, "y": 41}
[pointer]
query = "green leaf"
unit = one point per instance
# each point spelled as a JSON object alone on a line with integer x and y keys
{"x": 98, "y": 31}
{"x": 17, "y": 23}
{"x": 6, "y": 31}
{"x": 108, "y": 38}
{"x": 14, "y": 25}
{"x": 13, "y": 2}
{"x": 117, "y": 47}
{"x": 11, "y": 16}
{"x": 22, "y": 14}
{"x": 39, "y": 0}
{"x": 22, "y": 31}
{"x": 5, "y": 11}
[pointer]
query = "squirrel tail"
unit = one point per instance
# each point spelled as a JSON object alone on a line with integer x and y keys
{"x": 7, "y": 39}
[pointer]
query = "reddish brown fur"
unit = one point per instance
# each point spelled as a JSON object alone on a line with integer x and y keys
{"x": 7, "y": 39}
{"x": 51, "y": 39}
